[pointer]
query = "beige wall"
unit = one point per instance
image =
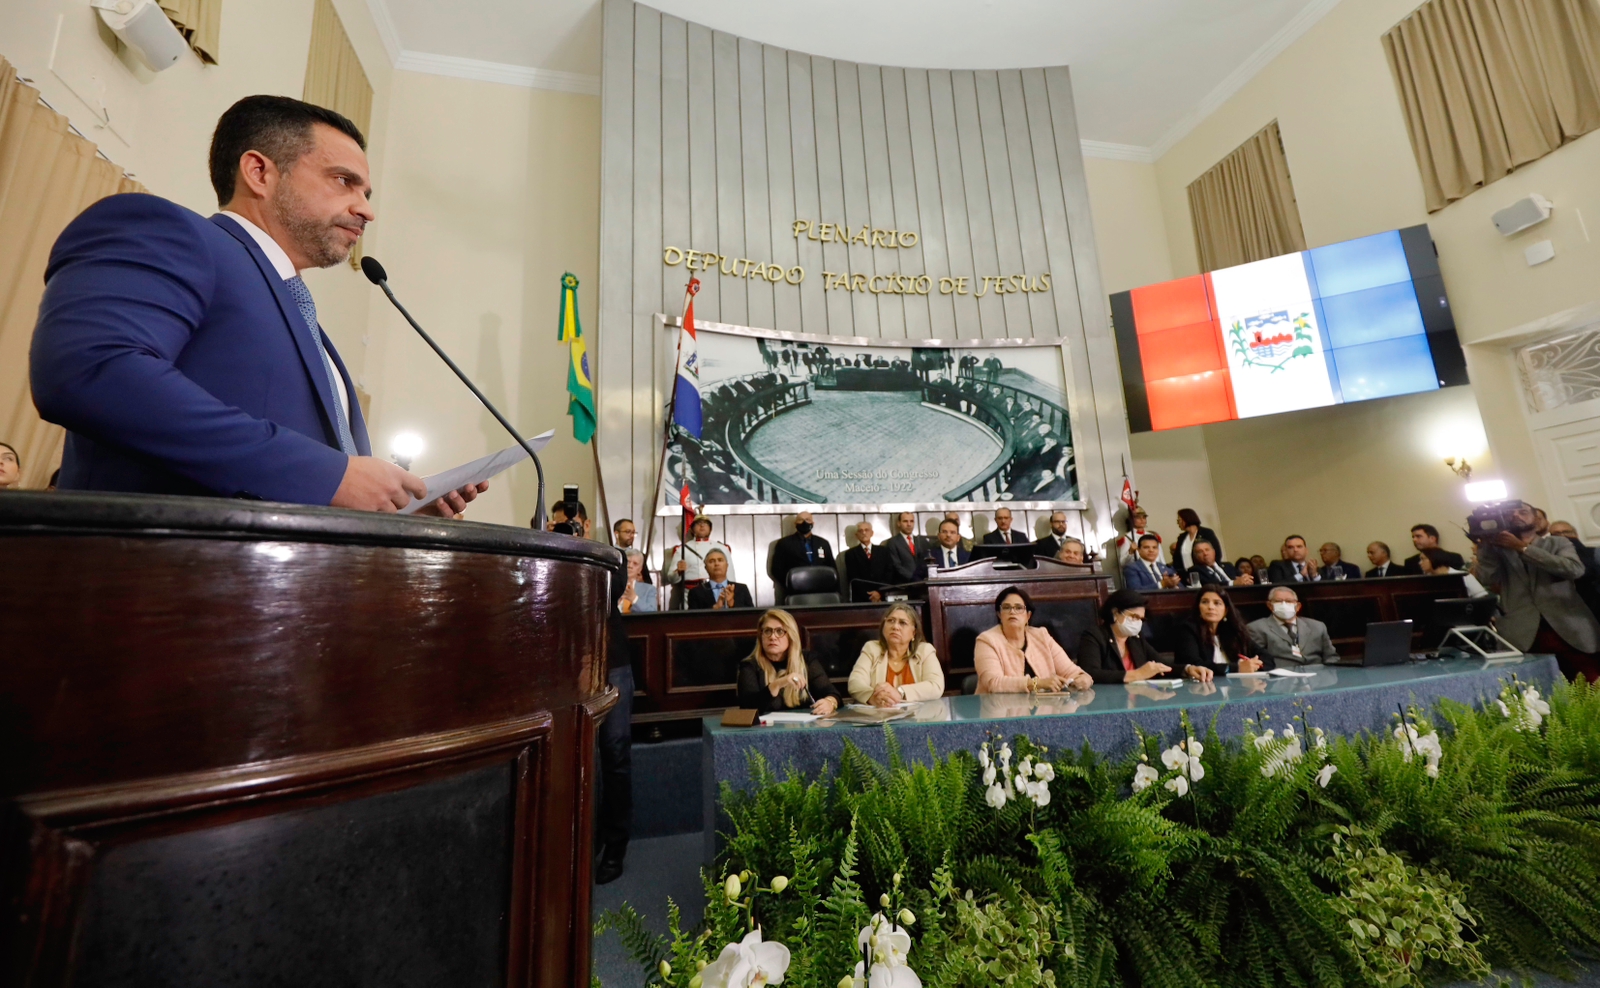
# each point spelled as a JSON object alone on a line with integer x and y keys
{"x": 489, "y": 194}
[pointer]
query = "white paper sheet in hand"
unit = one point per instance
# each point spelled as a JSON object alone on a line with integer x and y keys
{"x": 476, "y": 472}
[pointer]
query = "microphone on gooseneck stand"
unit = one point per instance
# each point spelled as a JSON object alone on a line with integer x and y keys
{"x": 375, "y": 274}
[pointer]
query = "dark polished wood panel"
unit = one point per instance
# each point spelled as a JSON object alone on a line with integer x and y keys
{"x": 182, "y": 673}
{"x": 684, "y": 661}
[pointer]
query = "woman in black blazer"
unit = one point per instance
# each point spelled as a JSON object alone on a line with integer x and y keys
{"x": 1212, "y": 640}
{"x": 1189, "y": 532}
{"x": 1112, "y": 651}
{"x": 776, "y": 675}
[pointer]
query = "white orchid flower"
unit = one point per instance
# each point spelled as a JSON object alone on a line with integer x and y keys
{"x": 1263, "y": 740}
{"x": 1178, "y": 784}
{"x": 1041, "y": 794}
{"x": 1196, "y": 770}
{"x": 1326, "y": 774}
{"x": 988, "y": 775}
{"x": 1025, "y": 767}
{"x": 1530, "y": 696}
{"x": 1173, "y": 758}
{"x": 1044, "y": 771}
{"x": 983, "y": 755}
{"x": 1144, "y": 777}
{"x": 995, "y": 796}
{"x": 1288, "y": 732}
{"x": 1005, "y": 753}
{"x": 890, "y": 944}
{"x": 1505, "y": 711}
{"x": 1195, "y": 748}
{"x": 747, "y": 964}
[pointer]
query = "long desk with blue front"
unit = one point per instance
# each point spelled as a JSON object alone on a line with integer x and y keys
{"x": 685, "y": 662}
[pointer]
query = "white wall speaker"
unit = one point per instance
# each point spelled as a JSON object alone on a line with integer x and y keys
{"x": 1522, "y": 214}
{"x": 144, "y": 27}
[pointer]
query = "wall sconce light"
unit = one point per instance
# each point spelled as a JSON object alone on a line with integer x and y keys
{"x": 1486, "y": 490}
{"x": 1459, "y": 464}
{"x": 404, "y": 448}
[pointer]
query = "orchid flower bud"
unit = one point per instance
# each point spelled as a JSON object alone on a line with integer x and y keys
{"x": 732, "y": 887}
{"x": 907, "y": 917}
{"x": 696, "y": 981}
{"x": 883, "y": 900}
{"x": 666, "y": 970}
{"x": 780, "y": 883}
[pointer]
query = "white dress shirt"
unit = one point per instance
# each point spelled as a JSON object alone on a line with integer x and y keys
{"x": 285, "y": 268}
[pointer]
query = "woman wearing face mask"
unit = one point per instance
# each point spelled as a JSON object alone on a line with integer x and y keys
{"x": 1112, "y": 651}
{"x": 1212, "y": 640}
{"x": 899, "y": 666}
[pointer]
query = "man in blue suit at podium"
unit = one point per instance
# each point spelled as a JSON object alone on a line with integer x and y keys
{"x": 184, "y": 355}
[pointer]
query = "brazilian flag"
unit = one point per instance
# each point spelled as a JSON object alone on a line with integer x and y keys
{"x": 580, "y": 384}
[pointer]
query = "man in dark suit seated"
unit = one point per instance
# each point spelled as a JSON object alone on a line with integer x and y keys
{"x": 1147, "y": 571}
{"x": 861, "y": 564}
{"x": 802, "y": 548}
{"x": 1333, "y": 564}
{"x": 950, "y": 552}
{"x": 1382, "y": 564}
{"x": 1213, "y": 572}
{"x": 1051, "y": 543}
{"x": 904, "y": 553}
{"x": 1002, "y": 534}
{"x": 184, "y": 354}
{"x": 717, "y": 592}
{"x": 1294, "y": 567}
{"x": 1424, "y": 536}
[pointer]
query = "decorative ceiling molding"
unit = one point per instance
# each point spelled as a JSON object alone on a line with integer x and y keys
{"x": 1291, "y": 32}
{"x": 1117, "y": 152}
{"x": 510, "y": 75}
{"x": 390, "y": 34}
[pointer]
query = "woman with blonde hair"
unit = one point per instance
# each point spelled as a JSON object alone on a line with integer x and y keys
{"x": 900, "y": 665}
{"x": 776, "y": 675}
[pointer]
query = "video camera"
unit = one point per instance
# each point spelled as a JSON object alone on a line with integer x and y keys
{"x": 1489, "y": 520}
{"x": 569, "y": 508}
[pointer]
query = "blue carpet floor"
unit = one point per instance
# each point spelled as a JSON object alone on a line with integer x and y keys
{"x": 658, "y": 867}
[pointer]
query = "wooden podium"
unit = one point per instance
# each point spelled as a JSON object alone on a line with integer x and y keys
{"x": 250, "y": 744}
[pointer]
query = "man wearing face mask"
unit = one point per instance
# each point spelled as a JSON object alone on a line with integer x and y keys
{"x": 1288, "y": 638}
{"x": 803, "y": 548}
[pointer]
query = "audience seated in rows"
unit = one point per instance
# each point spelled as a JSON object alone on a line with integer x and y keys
{"x": 1333, "y": 565}
{"x": 1382, "y": 564}
{"x": 638, "y": 593}
{"x": 716, "y": 591}
{"x": 1015, "y": 657}
{"x": 777, "y": 675}
{"x": 1146, "y": 571}
{"x": 1071, "y": 551}
{"x": 1244, "y": 567}
{"x": 1210, "y": 572}
{"x": 1212, "y": 640}
{"x": 898, "y": 667}
{"x": 1286, "y": 638}
{"x": 1294, "y": 567}
{"x": 1112, "y": 651}
{"x": 1427, "y": 537}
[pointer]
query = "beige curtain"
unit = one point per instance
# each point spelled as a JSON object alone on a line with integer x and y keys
{"x": 334, "y": 78}
{"x": 1243, "y": 208}
{"x": 48, "y": 175}
{"x": 200, "y": 22}
{"x": 1490, "y": 85}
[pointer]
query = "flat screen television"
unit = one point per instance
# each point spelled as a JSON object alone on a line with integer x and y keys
{"x": 1361, "y": 319}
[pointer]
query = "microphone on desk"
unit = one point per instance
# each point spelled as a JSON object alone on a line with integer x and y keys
{"x": 375, "y": 274}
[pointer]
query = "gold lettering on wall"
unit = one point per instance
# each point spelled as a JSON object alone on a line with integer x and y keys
{"x": 840, "y": 233}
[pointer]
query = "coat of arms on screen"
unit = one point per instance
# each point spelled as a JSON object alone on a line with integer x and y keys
{"x": 1272, "y": 339}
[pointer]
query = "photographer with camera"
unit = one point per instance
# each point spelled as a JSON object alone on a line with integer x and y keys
{"x": 1535, "y": 575}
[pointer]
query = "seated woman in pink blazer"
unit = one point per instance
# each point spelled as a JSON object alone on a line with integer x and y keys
{"x": 1013, "y": 657}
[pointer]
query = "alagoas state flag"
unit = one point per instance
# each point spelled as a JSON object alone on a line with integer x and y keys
{"x": 1276, "y": 358}
{"x": 580, "y": 383}
{"x": 686, "y": 400}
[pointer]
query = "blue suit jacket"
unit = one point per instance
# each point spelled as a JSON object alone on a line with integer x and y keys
{"x": 179, "y": 364}
{"x": 962, "y": 555}
{"x": 1136, "y": 577}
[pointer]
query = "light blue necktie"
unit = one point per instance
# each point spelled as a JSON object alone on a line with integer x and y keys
{"x": 308, "y": 311}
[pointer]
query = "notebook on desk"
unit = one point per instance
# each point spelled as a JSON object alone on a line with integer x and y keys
{"x": 1387, "y": 643}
